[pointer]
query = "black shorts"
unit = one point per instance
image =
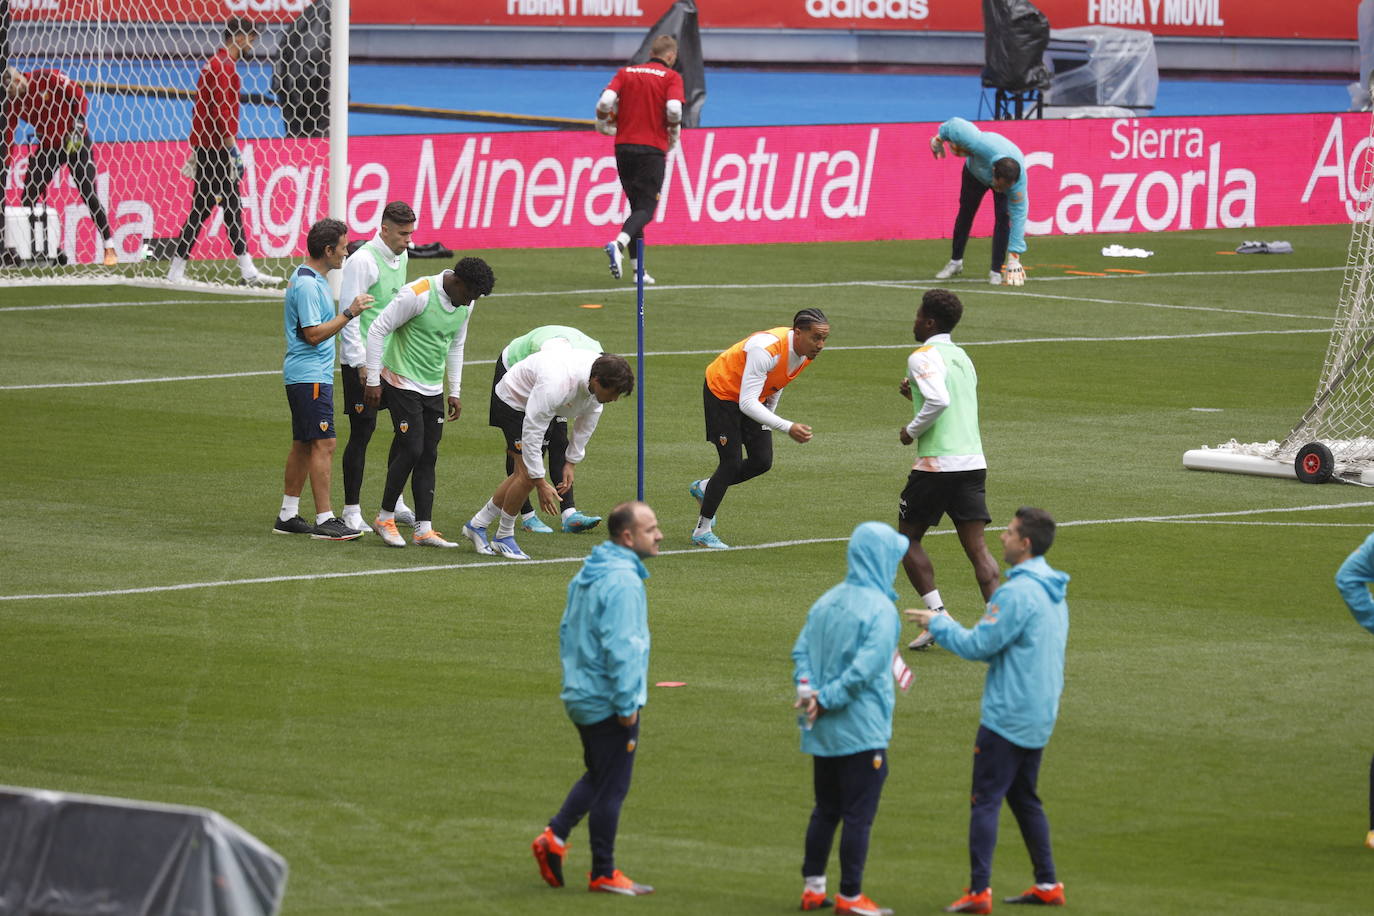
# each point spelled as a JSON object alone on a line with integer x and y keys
{"x": 930, "y": 494}
{"x": 510, "y": 421}
{"x": 312, "y": 411}
{"x": 408, "y": 406}
{"x": 353, "y": 403}
{"x": 726, "y": 423}
{"x": 496, "y": 409}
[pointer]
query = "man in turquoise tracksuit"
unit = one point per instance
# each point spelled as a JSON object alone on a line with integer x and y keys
{"x": 1353, "y": 580}
{"x": 1021, "y": 637}
{"x": 844, "y": 654}
{"x": 994, "y": 164}
{"x": 604, "y": 646}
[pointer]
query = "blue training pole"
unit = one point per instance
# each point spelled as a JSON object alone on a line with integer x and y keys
{"x": 639, "y": 366}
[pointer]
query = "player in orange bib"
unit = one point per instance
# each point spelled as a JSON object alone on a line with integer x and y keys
{"x": 740, "y": 397}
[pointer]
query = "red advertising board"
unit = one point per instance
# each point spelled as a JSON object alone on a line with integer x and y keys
{"x": 751, "y": 185}
{"x": 1313, "y": 19}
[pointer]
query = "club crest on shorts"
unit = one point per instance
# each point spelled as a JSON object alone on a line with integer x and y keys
{"x": 630, "y": 746}
{"x": 324, "y": 426}
{"x": 723, "y": 439}
{"x": 877, "y": 761}
{"x": 358, "y": 408}
{"x": 518, "y": 446}
{"x": 404, "y": 426}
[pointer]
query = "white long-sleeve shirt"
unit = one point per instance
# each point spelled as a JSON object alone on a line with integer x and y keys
{"x": 359, "y": 273}
{"x": 758, "y": 362}
{"x": 555, "y": 382}
{"x": 404, "y": 307}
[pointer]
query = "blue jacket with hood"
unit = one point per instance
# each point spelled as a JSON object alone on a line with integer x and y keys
{"x": 603, "y": 640}
{"x": 985, "y": 148}
{"x": 1022, "y": 637}
{"x": 1353, "y": 580}
{"x": 845, "y": 649}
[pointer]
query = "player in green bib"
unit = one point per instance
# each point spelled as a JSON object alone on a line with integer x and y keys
{"x": 950, "y": 473}
{"x": 378, "y": 267}
{"x": 413, "y": 348}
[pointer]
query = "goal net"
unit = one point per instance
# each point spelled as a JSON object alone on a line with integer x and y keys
{"x": 115, "y": 114}
{"x": 1341, "y": 419}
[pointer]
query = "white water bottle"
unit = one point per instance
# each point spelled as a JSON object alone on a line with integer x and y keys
{"x": 804, "y": 693}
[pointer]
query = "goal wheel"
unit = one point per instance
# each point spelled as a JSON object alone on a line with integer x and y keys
{"x": 1314, "y": 463}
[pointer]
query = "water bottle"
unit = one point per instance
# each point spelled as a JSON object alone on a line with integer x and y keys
{"x": 804, "y": 693}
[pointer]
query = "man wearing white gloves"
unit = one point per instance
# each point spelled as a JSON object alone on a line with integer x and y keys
{"x": 993, "y": 163}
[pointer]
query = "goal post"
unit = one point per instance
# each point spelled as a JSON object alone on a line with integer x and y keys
{"x": 1334, "y": 438}
{"x": 98, "y": 187}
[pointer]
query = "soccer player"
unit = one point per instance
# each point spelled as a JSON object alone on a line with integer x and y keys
{"x": 845, "y": 653}
{"x": 215, "y": 153}
{"x": 56, "y": 108}
{"x": 1021, "y": 638}
{"x": 603, "y": 642}
{"x": 378, "y": 268}
{"x": 558, "y": 381}
{"x": 642, "y": 109}
{"x": 556, "y": 439}
{"x": 950, "y": 473}
{"x": 740, "y": 397}
{"x": 996, "y": 164}
{"x": 308, "y": 369}
{"x": 1353, "y": 580}
{"x": 428, "y": 326}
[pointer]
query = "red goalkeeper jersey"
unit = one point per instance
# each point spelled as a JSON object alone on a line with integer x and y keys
{"x": 644, "y": 90}
{"x": 51, "y": 104}
{"x": 215, "y": 118}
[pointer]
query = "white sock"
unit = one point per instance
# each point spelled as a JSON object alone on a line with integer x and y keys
{"x": 816, "y": 884}
{"x": 528, "y": 515}
{"x": 623, "y": 241}
{"x": 703, "y": 525}
{"x": 290, "y": 508}
{"x": 246, "y": 268}
{"x": 932, "y": 600}
{"x": 401, "y": 505}
{"x": 486, "y": 515}
{"x": 353, "y": 512}
{"x": 568, "y": 512}
{"x": 507, "y": 527}
{"x": 1045, "y": 887}
{"x": 384, "y": 516}
{"x": 322, "y": 517}
{"x": 423, "y": 528}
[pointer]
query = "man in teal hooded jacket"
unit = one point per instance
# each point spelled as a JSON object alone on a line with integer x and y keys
{"x": 844, "y": 654}
{"x": 992, "y": 163}
{"x": 1022, "y": 637}
{"x": 603, "y": 642}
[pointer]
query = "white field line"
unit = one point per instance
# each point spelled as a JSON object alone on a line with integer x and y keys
{"x": 900, "y": 283}
{"x": 901, "y": 346}
{"x": 771, "y": 545}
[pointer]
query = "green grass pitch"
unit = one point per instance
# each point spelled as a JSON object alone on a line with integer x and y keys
{"x": 388, "y": 719}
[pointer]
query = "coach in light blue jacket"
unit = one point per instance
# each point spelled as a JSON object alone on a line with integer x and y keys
{"x": 1022, "y": 637}
{"x": 1353, "y": 580}
{"x": 603, "y": 643}
{"x": 993, "y": 163}
{"x": 845, "y": 653}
